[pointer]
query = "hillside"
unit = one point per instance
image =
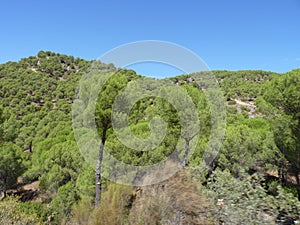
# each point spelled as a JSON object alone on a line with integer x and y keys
{"x": 249, "y": 182}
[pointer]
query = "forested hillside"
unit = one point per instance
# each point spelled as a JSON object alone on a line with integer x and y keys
{"x": 44, "y": 178}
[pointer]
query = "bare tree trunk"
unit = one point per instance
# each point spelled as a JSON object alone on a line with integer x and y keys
{"x": 4, "y": 187}
{"x": 98, "y": 177}
{"x": 298, "y": 183}
{"x": 3, "y": 195}
{"x": 30, "y": 147}
{"x": 187, "y": 150}
{"x": 186, "y": 153}
{"x": 281, "y": 174}
{"x": 184, "y": 164}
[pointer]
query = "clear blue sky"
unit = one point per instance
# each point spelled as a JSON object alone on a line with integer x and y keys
{"x": 226, "y": 34}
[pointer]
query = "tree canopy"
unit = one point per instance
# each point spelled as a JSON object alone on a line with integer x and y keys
{"x": 254, "y": 179}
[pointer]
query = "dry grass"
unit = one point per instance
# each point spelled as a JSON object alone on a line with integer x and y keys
{"x": 175, "y": 201}
{"x": 115, "y": 204}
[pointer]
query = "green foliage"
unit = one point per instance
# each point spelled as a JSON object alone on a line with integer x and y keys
{"x": 248, "y": 146}
{"x": 36, "y": 210}
{"x": 244, "y": 200}
{"x": 8, "y": 125}
{"x": 36, "y": 94}
{"x": 11, "y": 212}
{"x": 105, "y": 101}
{"x": 11, "y": 165}
{"x": 244, "y": 83}
{"x": 62, "y": 163}
{"x": 86, "y": 182}
{"x": 62, "y": 204}
{"x": 283, "y": 95}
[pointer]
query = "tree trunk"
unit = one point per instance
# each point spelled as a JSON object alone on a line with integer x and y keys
{"x": 281, "y": 175}
{"x": 186, "y": 153}
{"x": 98, "y": 172}
{"x": 187, "y": 149}
{"x": 298, "y": 183}
{"x": 30, "y": 147}
{"x": 3, "y": 195}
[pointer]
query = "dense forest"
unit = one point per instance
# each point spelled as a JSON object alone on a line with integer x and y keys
{"x": 44, "y": 178}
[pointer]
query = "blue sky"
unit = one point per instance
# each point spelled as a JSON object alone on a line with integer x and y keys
{"x": 231, "y": 34}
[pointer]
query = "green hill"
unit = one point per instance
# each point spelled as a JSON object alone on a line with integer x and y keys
{"x": 254, "y": 178}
